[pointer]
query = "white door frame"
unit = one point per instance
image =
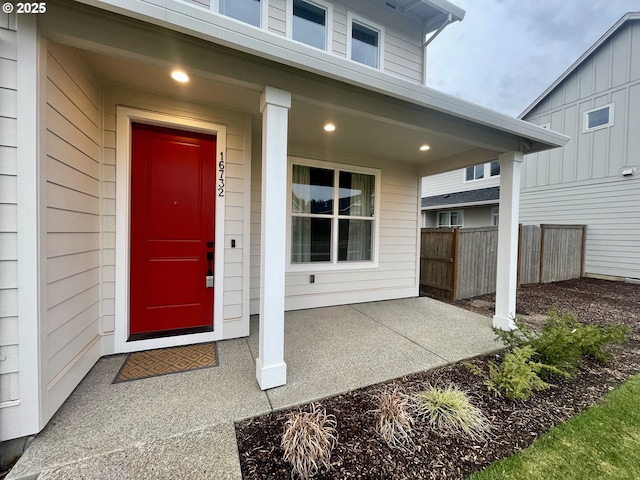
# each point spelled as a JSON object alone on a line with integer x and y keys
{"x": 124, "y": 117}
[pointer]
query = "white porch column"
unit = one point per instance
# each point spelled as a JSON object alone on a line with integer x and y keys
{"x": 506, "y": 278}
{"x": 271, "y": 371}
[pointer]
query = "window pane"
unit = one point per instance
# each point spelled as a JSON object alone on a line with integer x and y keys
{"x": 455, "y": 219}
{"x": 310, "y": 239}
{"x": 354, "y": 240}
{"x": 469, "y": 174}
{"x": 599, "y": 117}
{"x": 312, "y": 190}
{"x": 443, "y": 219}
{"x": 357, "y": 194}
{"x": 495, "y": 168}
{"x": 247, "y": 11}
{"x": 364, "y": 45}
{"x": 479, "y": 171}
{"x": 309, "y": 24}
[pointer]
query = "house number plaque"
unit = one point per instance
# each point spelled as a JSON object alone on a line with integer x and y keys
{"x": 221, "y": 176}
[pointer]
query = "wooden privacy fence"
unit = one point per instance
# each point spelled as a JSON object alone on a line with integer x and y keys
{"x": 461, "y": 263}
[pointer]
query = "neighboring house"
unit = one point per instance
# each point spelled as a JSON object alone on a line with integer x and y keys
{"x": 279, "y": 169}
{"x": 593, "y": 180}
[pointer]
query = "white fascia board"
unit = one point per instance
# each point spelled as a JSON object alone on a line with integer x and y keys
{"x": 625, "y": 18}
{"x": 447, "y": 7}
{"x": 461, "y": 205}
{"x": 213, "y": 27}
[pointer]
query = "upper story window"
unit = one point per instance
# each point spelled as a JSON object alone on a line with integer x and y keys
{"x": 365, "y": 42}
{"x": 310, "y": 22}
{"x": 450, "y": 219}
{"x": 333, "y": 215}
{"x": 474, "y": 173}
{"x": 494, "y": 168}
{"x": 247, "y": 11}
{"x": 598, "y": 118}
{"x": 482, "y": 170}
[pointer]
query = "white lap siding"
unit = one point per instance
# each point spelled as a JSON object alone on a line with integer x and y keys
{"x": 9, "y": 375}
{"x": 72, "y": 146}
{"x": 394, "y": 277}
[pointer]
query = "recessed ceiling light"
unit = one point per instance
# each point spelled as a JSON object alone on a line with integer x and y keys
{"x": 180, "y": 76}
{"x": 424, "y": 148}
{"x": 329, "y": 127}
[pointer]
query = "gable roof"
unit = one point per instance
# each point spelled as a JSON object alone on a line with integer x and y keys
{"x": 625, "y": 18}
{"x": 482, "y": 196}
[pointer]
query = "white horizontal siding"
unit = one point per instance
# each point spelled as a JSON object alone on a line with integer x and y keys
{"x": 9, "y": 349}
{"x": 610, "y": 211}
{"x": 277, "y": 17}
{"x": 454, "y": 181}
{"x": 395, "y": 275}
{"x": 72, "y": 145}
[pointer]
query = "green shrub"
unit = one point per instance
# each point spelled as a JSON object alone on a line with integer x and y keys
{"x": 449, "y": 410}
{"x": 395, "y": 421}
{"x": 518, "y": 377}
{"x": 563, "y": 340}
{"x": 308, "y": 440}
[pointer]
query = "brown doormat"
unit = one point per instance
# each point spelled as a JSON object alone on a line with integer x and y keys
{"x": 163, "y": 361}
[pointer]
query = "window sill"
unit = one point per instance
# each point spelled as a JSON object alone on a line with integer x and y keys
{"x": 312, "y": 268}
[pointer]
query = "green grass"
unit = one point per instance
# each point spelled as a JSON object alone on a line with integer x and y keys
{"x": 601, "y": 443}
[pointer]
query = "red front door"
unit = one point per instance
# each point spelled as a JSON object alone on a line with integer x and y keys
{"x": 172, "y": 231}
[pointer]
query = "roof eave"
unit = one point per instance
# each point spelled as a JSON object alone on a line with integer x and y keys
{"x": 625, "y": 18}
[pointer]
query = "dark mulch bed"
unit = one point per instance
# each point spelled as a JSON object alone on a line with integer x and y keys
{"x": 361, "y": 454}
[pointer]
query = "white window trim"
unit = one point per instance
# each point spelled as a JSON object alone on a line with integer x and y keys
{"x": 461, "y": 212}
{"x": 264, "y": 13}
{"x": 585, "y": 118}
{"x": 334, "y": 266}
{"x": 485, "y": 177}
{"x": 124, "y": 117}
{"x": 329, "y": 23}
{"x": 353, "y": 17}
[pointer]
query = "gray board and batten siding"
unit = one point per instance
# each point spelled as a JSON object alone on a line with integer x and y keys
{"x": 583, "y": 182}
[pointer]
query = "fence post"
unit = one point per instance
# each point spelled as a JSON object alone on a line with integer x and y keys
{"x": 519, "y": 254}
{"x": 542, "y": 234}
{"x": 454, "y": 266}
{"x": 584, "y": 248}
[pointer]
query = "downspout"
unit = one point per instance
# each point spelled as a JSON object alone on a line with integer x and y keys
{"x": 428, "y": 38}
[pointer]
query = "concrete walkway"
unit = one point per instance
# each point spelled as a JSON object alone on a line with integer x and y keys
{"x": 181, "y": 425}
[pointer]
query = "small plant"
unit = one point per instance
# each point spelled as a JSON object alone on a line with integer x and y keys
{"x": 518, "y": 376}
{"x": 308, "y": 440}
{"x": 449, "y": 410}
{"x": 395, "y": 421}
{"x": 563, "y": 340}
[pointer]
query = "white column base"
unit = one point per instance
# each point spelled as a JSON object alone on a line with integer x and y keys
{"x": 271, "y": 376}
{"x": 503, "y": 323}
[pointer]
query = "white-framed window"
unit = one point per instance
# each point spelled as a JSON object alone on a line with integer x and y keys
{"x": 333, "y": 215}
{"x": 310, "y": 22}
{"x": 248, "y": 11}
{"x": 475, "y": 172}
{"x": 365, "y": 41}
{"x": 495, "y": 216}
{"x": 452, "y": 218}
{"x": 494, "y": 169}
{"x": 597, "y": 118}
{"x": 482, "y": 171}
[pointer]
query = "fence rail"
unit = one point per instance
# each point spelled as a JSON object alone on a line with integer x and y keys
{"x": 461, "y": 263}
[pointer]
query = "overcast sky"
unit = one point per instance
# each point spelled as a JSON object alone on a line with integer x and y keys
{"x": 505, "y": 53}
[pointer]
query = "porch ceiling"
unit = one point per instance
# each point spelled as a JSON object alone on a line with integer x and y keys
{"x": 369, "y": 123}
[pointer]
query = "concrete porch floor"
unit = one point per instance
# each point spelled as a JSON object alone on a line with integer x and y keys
{"x": 181, "y": 425}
